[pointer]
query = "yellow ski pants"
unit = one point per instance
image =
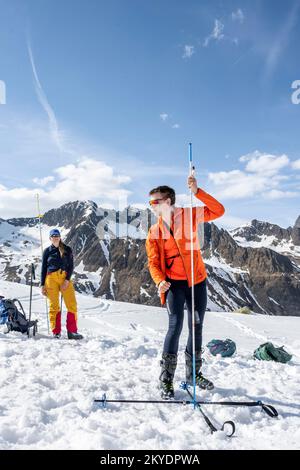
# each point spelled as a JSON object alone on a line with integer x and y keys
{"x": 53, "y": 284}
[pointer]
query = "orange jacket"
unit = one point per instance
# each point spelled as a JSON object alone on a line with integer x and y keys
{"x": 157, "y": 234}
{"x": 174, "y": 265}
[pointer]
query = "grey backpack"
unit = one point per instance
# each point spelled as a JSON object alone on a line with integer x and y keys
{"x": 14, "y": 318}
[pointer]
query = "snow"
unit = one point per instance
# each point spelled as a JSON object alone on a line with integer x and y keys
{"x": 47, "y": 386}
{"x": 105, "y": 250}
{"x": 284, "y": 247}
{"x": 93, "y": 277}
{"x": 222, "y": 294}
{"x": 254, "y": 298}
{"x": 144, "y": 292}
{"x": 271, "y": 298}
{"x": 223, "y": 270}
{"x": 21, "y": 246}
{"x": 222, "y": 266}
{"x": 83, "y": 240}
{"x": 112, "y": 283}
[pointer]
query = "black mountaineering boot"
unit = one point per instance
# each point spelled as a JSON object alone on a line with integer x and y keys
{"x": 168, "y": 366}
{"x": 74, "y": 335}
{"x": 201, "y": 381}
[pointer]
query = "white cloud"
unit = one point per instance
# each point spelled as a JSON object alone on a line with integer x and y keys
{"x": 264, "y": 163}
{"x": 296, "y": 164}
{"x": 260, "y": 178}
{"x": 238, "y": 15}
{"x": 88, "y": 179}
{"x": 227, "y": 221}
{"x": 184, "y": 200}
{"x": 237, "y": 184}
{"x": 230, "y": 222}
{"x": 43, "y": 181}
{"x": 166, "y": 117}
{"x": 188, "y": 51}
{"x": 163, "y": 116}
{"x": 216, "y": 34}
{"x": 277, "y": 194}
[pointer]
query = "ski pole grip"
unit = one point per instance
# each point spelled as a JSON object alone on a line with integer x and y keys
{"x": 192, "y": 168}
{"x": 33, "y": 271}
{"x": 270, "y": 410}
{"x": 230, "y": 423}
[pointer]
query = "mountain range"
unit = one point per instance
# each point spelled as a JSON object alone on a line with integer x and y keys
{"x": 256, "y": 265}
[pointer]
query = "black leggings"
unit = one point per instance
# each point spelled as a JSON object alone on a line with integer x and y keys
{"x": 176, "y": 296}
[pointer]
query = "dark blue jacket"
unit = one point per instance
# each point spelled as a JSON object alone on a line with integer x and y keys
{"x": 52, "y": 261}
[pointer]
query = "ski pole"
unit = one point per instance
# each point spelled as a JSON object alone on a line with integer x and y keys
{"x": 192, "y": 172}
{"x": 32, "y": 276}
{"x": 211, "y": 426}
{"x": 42, "y": 250}
{"x": 268, "y": 409}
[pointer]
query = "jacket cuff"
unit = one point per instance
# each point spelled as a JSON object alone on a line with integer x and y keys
{"x": 199, "y": 191}
{"x": 157, "y": 285}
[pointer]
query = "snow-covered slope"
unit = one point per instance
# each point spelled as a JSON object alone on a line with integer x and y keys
{"x": 20, "y": 246}
{"x": 284, "y": 247}
{"x": 258, "y": 234}
{"x": 47, "y": 386}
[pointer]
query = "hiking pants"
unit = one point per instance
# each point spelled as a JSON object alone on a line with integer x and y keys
{"x": 177, "y": 296}
{"x": 53, "y": 285}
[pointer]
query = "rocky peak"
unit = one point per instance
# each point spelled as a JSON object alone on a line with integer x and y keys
{"x": 70, "y": 214}
{"x": 296, "y": 232}
{"x": 257, "y": 230}
{"x": 22, "y": 222}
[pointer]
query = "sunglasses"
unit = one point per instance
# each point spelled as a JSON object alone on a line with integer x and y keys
{"x": 55, "y": 236}
{"x": 154, "y": 202}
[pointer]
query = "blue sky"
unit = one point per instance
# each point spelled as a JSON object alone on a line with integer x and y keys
{"x": 102, "y": 99}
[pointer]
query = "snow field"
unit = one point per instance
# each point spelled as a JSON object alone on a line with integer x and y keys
{"x": 47, "y": 386}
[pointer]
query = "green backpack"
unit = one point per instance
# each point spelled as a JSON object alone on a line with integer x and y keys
{"x": 268, "y": 352}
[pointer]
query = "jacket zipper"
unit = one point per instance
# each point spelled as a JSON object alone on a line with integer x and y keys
{"x": 180, "y": 255}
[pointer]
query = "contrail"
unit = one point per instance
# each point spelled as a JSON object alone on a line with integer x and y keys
{"x": 45, "y": 104}
{"x": 282, "y": 39}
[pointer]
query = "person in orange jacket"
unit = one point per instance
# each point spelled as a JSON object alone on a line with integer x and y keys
{"x": 168, "y": 248}
{"x": 56, "y": 272}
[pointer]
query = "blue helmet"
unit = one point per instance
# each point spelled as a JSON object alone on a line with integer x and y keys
{"x": 54, "y": 232}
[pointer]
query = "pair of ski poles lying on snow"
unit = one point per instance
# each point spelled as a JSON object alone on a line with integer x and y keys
{"x": 270, "y": 410}
{"x": 228, "y": 426}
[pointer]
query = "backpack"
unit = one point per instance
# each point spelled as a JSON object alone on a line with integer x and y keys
{"x": 268, "y": 352}
{"x": 226, "y": 348}
{"x": 15, "y": 319}
{"x": 3, "y": 311}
